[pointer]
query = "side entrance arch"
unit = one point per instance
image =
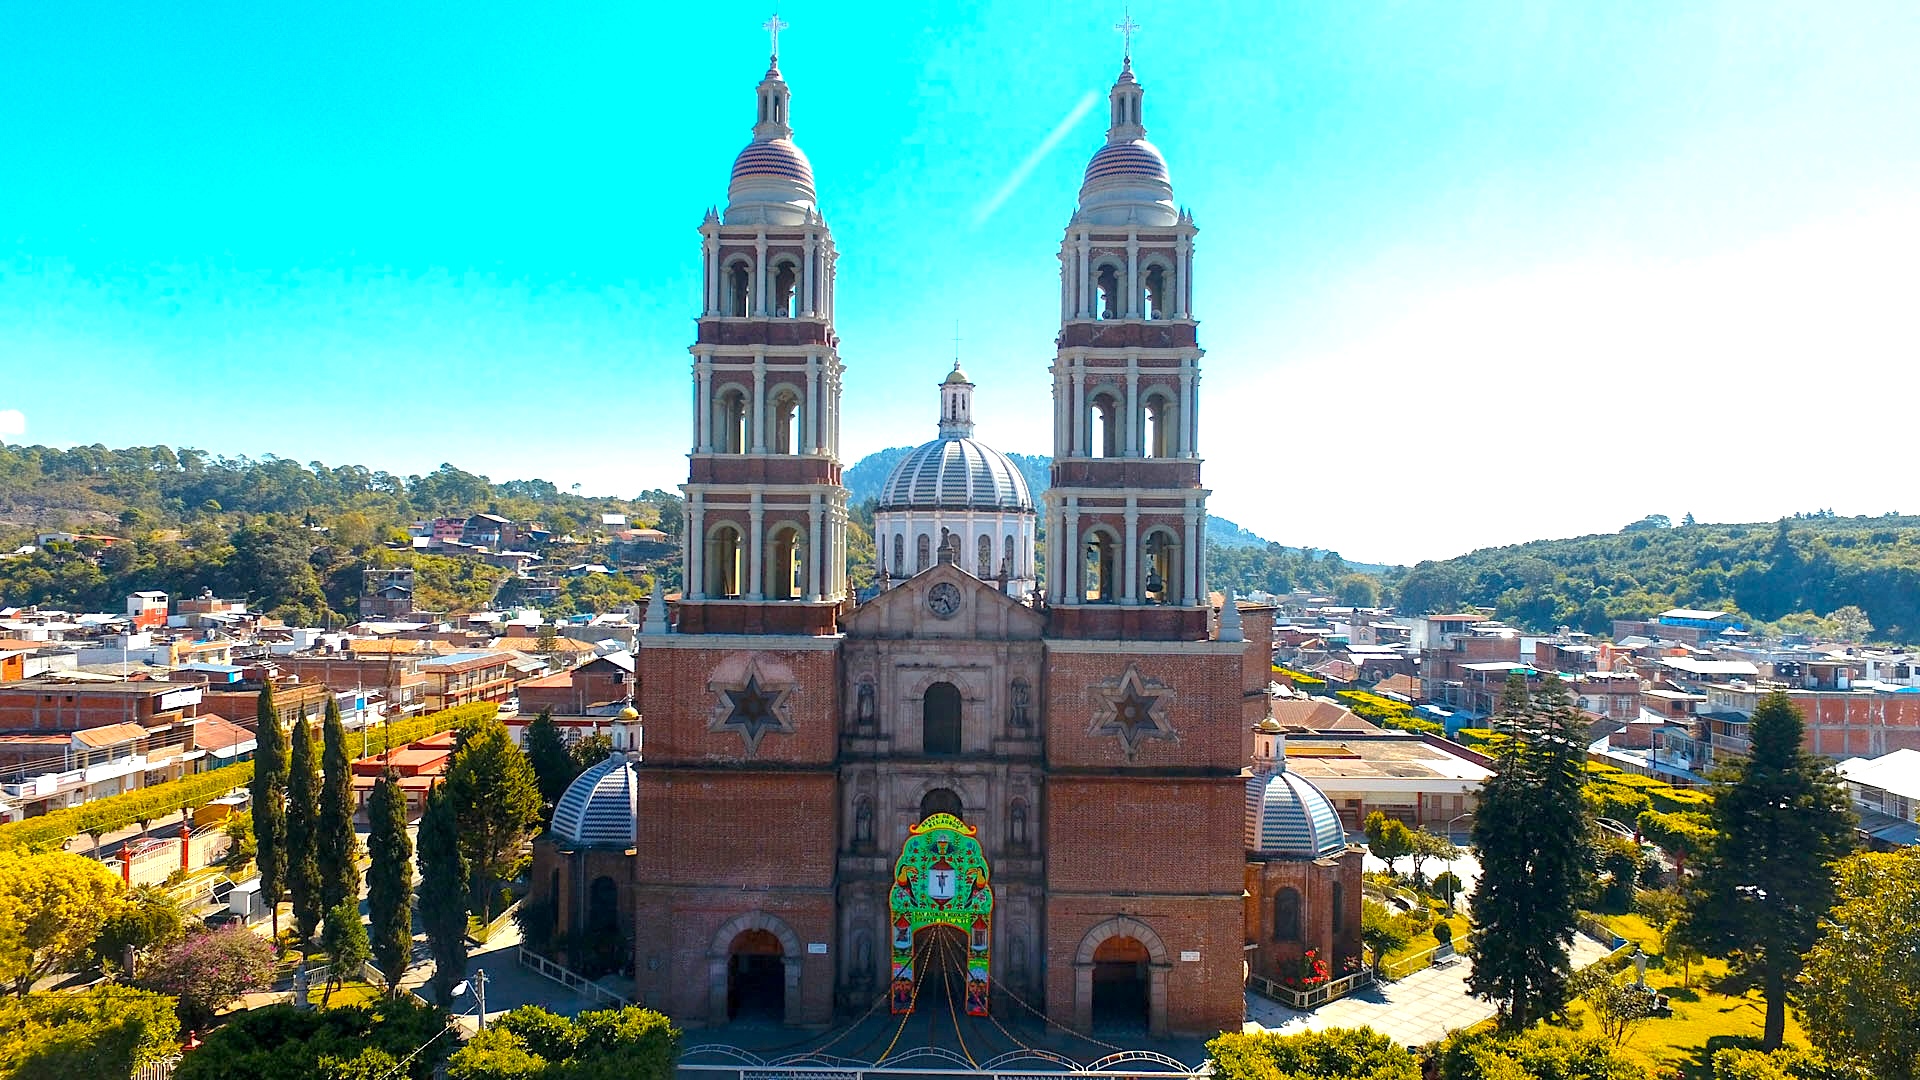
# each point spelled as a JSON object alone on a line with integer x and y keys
{"x": 753, "y": 969}
{"x": 1120, "y": 977}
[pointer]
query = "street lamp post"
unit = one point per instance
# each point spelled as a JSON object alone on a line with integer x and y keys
{"x": 1453, "y": 881}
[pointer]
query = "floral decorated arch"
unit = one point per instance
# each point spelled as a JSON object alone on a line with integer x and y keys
{"x": 941, "y": 879}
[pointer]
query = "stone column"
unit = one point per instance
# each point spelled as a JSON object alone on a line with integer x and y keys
{"x": 756, "y": 514}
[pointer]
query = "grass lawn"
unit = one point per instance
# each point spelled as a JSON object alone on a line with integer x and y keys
{"x": 351, "y": 992}
{"x": 1700, "y": 1013}
{"x": 1424, "y": 941}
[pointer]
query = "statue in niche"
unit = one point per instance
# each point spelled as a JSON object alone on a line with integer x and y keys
{"x": 863, "y": 824}
{"x": 1022, "y": 696}
{"x": 862, "y": 959}
{"x": 1017, "y": 826}
{"x": 863, "y": 707}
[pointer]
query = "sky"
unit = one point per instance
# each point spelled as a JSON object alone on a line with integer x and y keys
{"x": 1467, "y": 274}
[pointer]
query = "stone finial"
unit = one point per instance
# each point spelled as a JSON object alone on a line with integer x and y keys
{"x": 656, "y": 620}
{"x": 1230, "y": 627}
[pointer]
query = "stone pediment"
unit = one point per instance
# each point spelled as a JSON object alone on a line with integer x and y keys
{"x": 944, "y": 601}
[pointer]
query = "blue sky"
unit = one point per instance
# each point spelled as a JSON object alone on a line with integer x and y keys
{"x": 1467, "y": 274}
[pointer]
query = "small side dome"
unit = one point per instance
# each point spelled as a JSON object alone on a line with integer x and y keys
{"x": 629, "y": 713}
{"x": 601, "y": 808}
{"x": 1287, "y": 816}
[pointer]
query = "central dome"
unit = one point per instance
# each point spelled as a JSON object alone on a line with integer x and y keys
{"x": 955, "y": 472}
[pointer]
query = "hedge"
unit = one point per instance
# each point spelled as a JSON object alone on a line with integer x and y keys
{"x": 119, "y": 811}
{"x": 161, "y": 800}
{"x": 1385, "y": 710}
{"x": 1299, "y": 678}
{"x": 402, "y": 732}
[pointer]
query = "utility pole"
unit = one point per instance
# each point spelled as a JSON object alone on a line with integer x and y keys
{"x": 480, "y": 994}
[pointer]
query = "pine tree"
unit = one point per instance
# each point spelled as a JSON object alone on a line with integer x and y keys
{"x": 303, "y": 811}
{"x": 552, "y": 763}
{"x": 1530, "y": 833}
{"x": 335, "y": 851}
{"x": 443, "y": 894}
{"x": 496, "y": 799}
{"x": 1768, "y": 878}
{"x": 390, "y": 878}
{"x": 269, "y": 797}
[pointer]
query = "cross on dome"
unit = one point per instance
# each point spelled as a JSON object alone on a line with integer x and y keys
{"x": 773, "y": 27}
{"x": 1126, "y": 26}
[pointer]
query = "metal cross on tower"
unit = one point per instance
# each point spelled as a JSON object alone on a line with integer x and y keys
{"x": 773, "y": 27}
{"x": 1126, "y": 26}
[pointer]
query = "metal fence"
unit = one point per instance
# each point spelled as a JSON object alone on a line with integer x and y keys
{"x": 732, "y": 1063}
{"x": 572, "y": 980}
{"x": 1313, "y": 996}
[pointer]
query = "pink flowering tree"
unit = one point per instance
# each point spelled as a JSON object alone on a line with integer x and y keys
{"x": 209, "y": 971}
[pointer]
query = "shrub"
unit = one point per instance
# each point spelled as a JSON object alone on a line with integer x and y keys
{"x": 1541, "y": 1053}
{"x": 106, "y": 1031}
{"x": 211, "y": 970}
{"x": 280, "y": 1042}
{"x": 1334, "y": 1054}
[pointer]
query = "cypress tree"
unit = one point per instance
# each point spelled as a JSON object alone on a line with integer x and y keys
{"x": 1530, "y": 833}
{"x": 390, "y": 878}
{"x": 269, "y": 795}
{"x": 443, "y": 894}
{"x": 1768, "y": 877}
{"x": 552, "y": 763}
{"x": 496, "y": 799}
{"x": 303, "y": 811}
{"x": 334, "y": 849}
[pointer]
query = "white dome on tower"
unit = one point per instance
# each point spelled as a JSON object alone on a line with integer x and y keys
{"x": 955, "y": 473}
{"x": 1126, "y": 181}
{"x": 772, "y": 181}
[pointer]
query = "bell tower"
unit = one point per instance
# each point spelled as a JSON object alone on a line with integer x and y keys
{"x": 766, "y": 513}
{"x": 1126, "y": 515}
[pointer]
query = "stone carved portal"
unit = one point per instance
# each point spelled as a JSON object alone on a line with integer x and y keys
{"x": 941, "y": 879}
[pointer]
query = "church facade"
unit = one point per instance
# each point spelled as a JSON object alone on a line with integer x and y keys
{"x": 1035, "y": 778}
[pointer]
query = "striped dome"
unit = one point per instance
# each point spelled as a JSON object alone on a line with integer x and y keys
{"x": 779, "y": 161}
{"x": 601, "y": 808}
{"x": 1289, "y": 817}
{"x": 952, "y": 472}
{"x": 1138, "y": 159}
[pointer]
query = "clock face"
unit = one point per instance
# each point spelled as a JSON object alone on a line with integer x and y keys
{"x": 944, "y": 599}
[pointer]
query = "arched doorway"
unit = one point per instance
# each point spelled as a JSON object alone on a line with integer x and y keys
{"x": 940, "y": 971}
{"x": 1120, "y": 986}
{"x": 940, "y": 720}
{"x": 940, "y": 801}
{"x": 941, "y": 909}
{"x": 756, "y": 977}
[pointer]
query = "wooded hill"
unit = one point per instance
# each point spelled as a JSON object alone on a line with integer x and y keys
{"x": 1786, "y": 576}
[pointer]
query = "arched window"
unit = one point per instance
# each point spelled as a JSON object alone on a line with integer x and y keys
{"x": 1156, "y": 288}
{"x": 923, "y": 553}
{"x": 1105, "y": 416}
{"x": 787, "y": 564}
{"x": 899, "y": 554}
{"x": 730, "y": 421}
{"x": 1107, "y": 280}
{"x": 1017, "y": 825}
{"x": 785, "y": 295}
{"x": 603, "y": 906}
{"x": 1339, "y": 908}
{"x": 1286, "y": 915}
{"x": 983, "y": 559}
{"x": 1099, "y": 581}
{"x": 739, "y": 290}
{"x": 940, "y": 801}
{"x": 723, "y": 563}
{"x": 783, "y": 418}
{"x": 1161, "y": 584}
{"x": 1160, "y": 437}
{"x": 940, "y": 719}
{"x": 1011, "y": 559}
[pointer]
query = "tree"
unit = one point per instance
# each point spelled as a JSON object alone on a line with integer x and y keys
{"x": 531, "y": 1042}
{"x": 52, "y": 905}
{"x": 444, "y": 893}
{"x": 1358, "y": 590}
{"x": 346, "y": 943}
{"x": 1382, "y": 932}
{"x": 149, "y": 919}
{"x": 1619, "y": 1004}
{"x": 390, "y": 878}
{"x": 1388, "y": 839}
{"x": 1530, "y": 832}
{"x": 496, "y": 800}
{"x": 351, "y": 1042}
{"x": 210, "y": 970}
{"x": 1334, "y": 1054}
{"x": 1781, "y": 820}
{"x": 241, "y": 846}
{"x": 270, "y": 802}
{"x": 1431, "y": 845}
{"x": 590, "y": 750}
{"x": 1860, "y": 992}
{"x": 303, "y": 813}
{"x": 106, "y": 1031}
{"x": 1850, "y": 623}
{"x": 547, "y": 752}
{"x": 335, "y": 852}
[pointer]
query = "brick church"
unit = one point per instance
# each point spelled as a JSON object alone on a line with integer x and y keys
{"x": 1056, "y": 786}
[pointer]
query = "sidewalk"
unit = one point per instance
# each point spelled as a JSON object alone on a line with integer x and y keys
{"x": 1421, "y": 1008}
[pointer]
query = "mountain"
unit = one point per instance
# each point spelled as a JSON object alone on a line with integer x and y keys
{"x": 1791, "y": 575}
